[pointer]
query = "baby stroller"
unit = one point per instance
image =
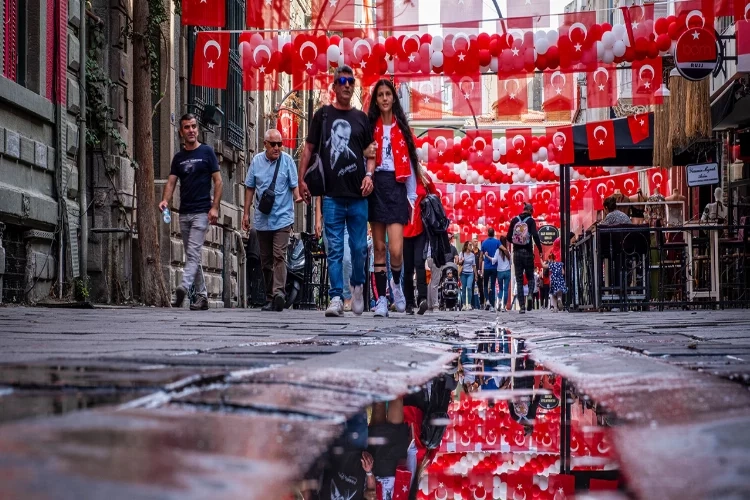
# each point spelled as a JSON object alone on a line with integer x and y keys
{"x": 448, "y": 289}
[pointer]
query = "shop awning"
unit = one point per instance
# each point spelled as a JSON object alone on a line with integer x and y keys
{"x": 639, "y": 155}
{"x": 731, "y": 109}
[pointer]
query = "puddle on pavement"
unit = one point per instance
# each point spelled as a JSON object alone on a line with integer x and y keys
{"x": 496, "y": 425}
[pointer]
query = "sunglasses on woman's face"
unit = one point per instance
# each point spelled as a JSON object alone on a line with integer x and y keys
{"x": 343, "y": 80}
{"x": 274, "y": 144}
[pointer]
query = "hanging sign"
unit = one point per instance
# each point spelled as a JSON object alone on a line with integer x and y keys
{"x": 548, "y": 234}
{"x": 697, "y": 54}
{"x": 702, "y": 174}
{"x": 549, "y": 401}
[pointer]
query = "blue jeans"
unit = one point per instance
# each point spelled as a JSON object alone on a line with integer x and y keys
{"x": 503, "y": 281}
{"x": 490, "y": 276}
{"x": 347, "y": 263}
{"x": 338, "y": 214}
{"x": 467, "y": 288}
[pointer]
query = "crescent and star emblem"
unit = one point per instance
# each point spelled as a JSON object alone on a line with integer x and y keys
{"x": 564, "y": 140}
{"x": 212, "y": 43}
{"x": 558, "y": 90}
{"x": 646, "y": 67}
{"x": 601, "y": 86}
{"x": 597, "y": 129}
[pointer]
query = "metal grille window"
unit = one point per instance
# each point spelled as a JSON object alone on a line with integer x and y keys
{"x": 198, "y": 97}
{"x": 232, "y": 97}
{"x": 14, "y": 279}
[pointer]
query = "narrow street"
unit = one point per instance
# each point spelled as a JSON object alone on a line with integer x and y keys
{"x": 151, "y": 403}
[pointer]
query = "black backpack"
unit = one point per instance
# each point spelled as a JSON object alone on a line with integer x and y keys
{"x": 435, "y": 411}
{"x": 433, "y": 214}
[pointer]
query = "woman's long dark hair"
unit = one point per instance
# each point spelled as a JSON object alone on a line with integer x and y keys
{"x": 398, "y": 113}
{"x": 503, "y": 242}
{"x": 465, "y": 249}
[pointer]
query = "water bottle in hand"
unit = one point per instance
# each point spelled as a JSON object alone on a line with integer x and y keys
{"x": 166, "y": 215}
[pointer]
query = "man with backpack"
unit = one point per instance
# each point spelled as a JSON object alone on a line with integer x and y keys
{"x": 523, "y": 235}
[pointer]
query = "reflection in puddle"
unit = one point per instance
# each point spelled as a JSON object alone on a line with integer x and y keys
{"x": 497, "y": 427}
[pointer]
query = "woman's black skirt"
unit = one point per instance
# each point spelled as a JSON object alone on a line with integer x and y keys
{"x": 388, "y": 203}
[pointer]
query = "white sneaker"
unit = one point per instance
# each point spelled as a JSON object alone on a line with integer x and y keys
{"x": 381, "y": 308}
{"x": 492, "y": 309}
{"x": 358, "y": 302}
{"x": 335, "y": 308}
{"x": 398, "y": 297}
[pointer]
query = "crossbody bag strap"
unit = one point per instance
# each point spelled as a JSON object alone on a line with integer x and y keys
{"x": 322, "y": 132}
{"x": 275, "y": 173}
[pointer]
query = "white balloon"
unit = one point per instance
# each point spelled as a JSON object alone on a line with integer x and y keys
{"x": 391, "y": 63}
{"x": 535, "y": 157}
{"x": 480, "y": 180}
{"x": 463, "y": 175}
{"x": 608, "y": 56}
{"x": 575, "y": 176}
{"x": 496, "y": 143}
{"x": 543, "y": 154}
{"x": 503, "y": 148}
{"x": 541, "y": 46}
{"x": 436, "y": 59}
{"x": 493, "y": 64}
{"x": 552, "y": 36}
{"x": 495, "y": 155}
{"x": 474, "y": 176}
{"x": 515, "y": 178}
{"x": 618, "y": 49}
{"x": 608, "y": 39}
{"x": 333, "y": 53}
{"x": 484, "y": 69}
{"x": 496, "y": 481}
{"x": 599, "y": 50}
{"x": 557, "y": 170}
{"x": 619, "y": 31}
{"x": 437, "y": 42}
{"x": 539, "y": 35}
{"x": 457, "y": 168}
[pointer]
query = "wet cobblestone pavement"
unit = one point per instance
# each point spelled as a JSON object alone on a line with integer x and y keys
{"x": 146, "y": 403}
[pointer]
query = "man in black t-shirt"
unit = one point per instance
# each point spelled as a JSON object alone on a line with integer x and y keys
{"x": 346, "y": 134}
{"x": 195, "y": 166}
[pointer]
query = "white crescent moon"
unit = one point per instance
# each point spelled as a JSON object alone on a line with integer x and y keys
{"x": 646, "y": 67}
{"x": 214, "y": 43}
{"x": 505, "y": 85}
{"x": 513, "y": 141}
{"x": 510, "y": 33}
{"x": 571, "y": 447}
{"x": 573, "y": 186}
{"x": 517, "y": 497}
{"x": 747, "y": 8}
{"x": 482, "y": 497}
{"x": 549, "y": 192}
{"x": 579, "y": 26}
{"x": 474, "y": 143}
{"x": 359, "y": 43}
{"x": 444, "y": 497}
{"x": 441, "y": 138}
{"x": 559, "y": 134}
{"x": 643, "y": 13}
{"x": 492, "y": 441}
{"x": 597, "y": 129}
{"x": 464, "y": 80}
{"x": 494, "y": 198}
{"x": 603, "y": 70}
{"x": 546, "y": 440}
{"x": 599, "y": 446}
{"x": 404, "y": 40}
{"x": 468, "y": 440}
{"x": 657, "y": 174}
{"x": 516, "y": 196}
{"x": 612, "y": 185}
{"x": 523, "y": 440}
{"x": 468, "y": 195}
{"x": 697, "y": 13}
{"x": 557, "y": 73}
{"x": 242, "y": 48}
{"x": 601, "y": 193}
{"x": 625, "y": 184}
{"x": 309, "y": 44}
{"x": 422, "y": 84}
{"x": 456, "y": 37}
{"x": 259, "y": 48}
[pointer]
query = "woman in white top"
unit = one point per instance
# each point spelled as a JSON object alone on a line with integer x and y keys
{"x": 468, "y": 262}
{"x": 502, "y": 259}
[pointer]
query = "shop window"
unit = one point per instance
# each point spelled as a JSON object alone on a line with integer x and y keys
{"x": 15, "y": 48}
{"x": 14, "y": 279}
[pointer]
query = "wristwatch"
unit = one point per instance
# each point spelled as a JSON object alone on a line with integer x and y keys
{"x": 369, "y": 174}
{"x": 368, "y": 473}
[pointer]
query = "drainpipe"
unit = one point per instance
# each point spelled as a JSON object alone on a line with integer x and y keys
{"x": 82, "y": 170}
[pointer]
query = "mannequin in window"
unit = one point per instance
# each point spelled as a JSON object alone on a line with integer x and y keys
{"x": 638, "y": 212}
{"x": 676, "y": 211}
{"x": 656, "y": 210}
{"x": 715, "y": 212}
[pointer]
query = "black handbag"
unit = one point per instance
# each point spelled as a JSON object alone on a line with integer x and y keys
{"x": 315, "y": 176}
{"x": 268, "y": 198}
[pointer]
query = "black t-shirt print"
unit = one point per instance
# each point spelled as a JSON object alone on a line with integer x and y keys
{"x": 194, "y": 169}
{"x": 346, "y": 135}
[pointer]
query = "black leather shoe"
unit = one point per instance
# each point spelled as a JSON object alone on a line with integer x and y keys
{"x": 278, "y": 302}
{"x": 422, "y": 307}
{"x": 267, "y": 307}
{"x": 409, "y": 310}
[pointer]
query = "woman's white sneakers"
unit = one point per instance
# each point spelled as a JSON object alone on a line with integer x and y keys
{"x": 398, "y": 297}
{"x": 381, "y": 308}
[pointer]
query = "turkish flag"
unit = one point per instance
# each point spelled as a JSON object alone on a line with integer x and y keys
{"x": 697, "y": 13}
{"x": 597, "y": 192}
{"x": 577, "y": 194}
{"x": 558, "y": 91}
{"x": 741, "y": 10}
{"x": 528, "y": 14}
{"x": 561, "y": 485}
{"x": 562, "y": 144}
{"x": 211, "y": 60}
{"x": 467, "y": 95}
{"x": 332, "y": 15}
{"x": 401, "y": 483}
{"x": 268, "y": 14}
{"x": 446, "y": 193}
{"x": 742, "y": 29}
{"x": 601, "y": 140}
{"x": 518, "y": 145}
{"x": 453, "y": 12}
{"x": 576, "y": 46}
{"x": 512, "y": 97}
{"x": 647, "y": 79}
{"x": 288, "y": 127}
{"x": 480, "y": 139}
{"x": 397, "y": 17}
{"x": 204, "y": 13}
{"x": 638, "y": 125}
{"x": 658, "y": 178}
{"x": 601, "y": 87}
{"x": 255, "y": 76}
{"x": 627, "y": 183}
{"x": 640, "y": 15}
{"x": 520, "y": 485}
{"x": 426, "y": 98}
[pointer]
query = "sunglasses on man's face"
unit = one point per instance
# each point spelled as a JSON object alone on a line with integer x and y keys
{"x": 274, "y": 144}
{"x": 343, "y": 80}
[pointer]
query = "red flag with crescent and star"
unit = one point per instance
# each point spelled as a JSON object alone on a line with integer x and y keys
{"x": 562, "y": 144}
{"x": 558, "y": 91}
{"x": 518, "y": 146}
{"x": 512, "y": 97}
{"x": 211, "y": 60}
{"x": 426, "y": 97}
{"x": 638, "y": 125}
{"x": 601, "y": 140}
{"x": 288, "y": 127}
{"x": 647, "y": 79}
{"x": 467, "y": 95}
{"x": 204, "y": 13}
{"x": 333, "y": 15}
{"x": 658, "y": 178}
{"x": 601, "y": 87}
{"x": 268, "y": 14}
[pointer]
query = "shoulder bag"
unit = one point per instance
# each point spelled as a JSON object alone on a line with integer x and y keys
{"x": 268, "y": 198}
{"x": 315, "y": 177}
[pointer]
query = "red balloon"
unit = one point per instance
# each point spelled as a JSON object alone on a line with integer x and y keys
{"x": 484, "y": 57}
{"x": 494, "y": 47}
{"x": 673, "y": 31}
{"x": 541, "y": 62}
{"x": 553, "y": 56}
{"x": 629, "y": 54}
{"x": 605, "y": 27}
{"x": 641, "y": 48}
{"x": 391, "y": 45}
{"x": 483, "y": 41}
{"x": 425, "y": 38}
{"x": 653, "y": 50}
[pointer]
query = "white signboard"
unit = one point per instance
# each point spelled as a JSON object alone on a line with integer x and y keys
{"x": 702, "y": 174}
